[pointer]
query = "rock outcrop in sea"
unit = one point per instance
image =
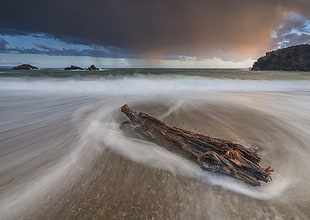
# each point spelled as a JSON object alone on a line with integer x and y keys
{"x": 74, "y": 68}
{"x": 93, "y": 68}
{"x": 25, "y": 67}
{"x": 295, "y": 58}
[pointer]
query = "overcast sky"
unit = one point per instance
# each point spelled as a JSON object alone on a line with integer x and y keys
{"x": 148, "y": 33}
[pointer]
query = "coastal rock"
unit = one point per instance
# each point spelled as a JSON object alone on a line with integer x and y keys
{"x": 25, "y": 67}
{"x": 74, "y": 68}
{"x": 93, "y": 68}
{"x": 295, "y": 58}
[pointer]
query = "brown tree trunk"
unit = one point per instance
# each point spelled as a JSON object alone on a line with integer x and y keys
{"x": 211, "y": 154}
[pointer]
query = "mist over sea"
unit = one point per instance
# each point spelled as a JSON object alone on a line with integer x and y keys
{"x": 62, "y": 155}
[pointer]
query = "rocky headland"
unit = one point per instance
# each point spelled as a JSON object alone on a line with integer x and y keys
{"x": 73, "y": 68}
{"x": 93, "y": 68}
{"x": 295, "y": 58}
{"x": 25, "y": 67}
{"x": 90, "y": 68}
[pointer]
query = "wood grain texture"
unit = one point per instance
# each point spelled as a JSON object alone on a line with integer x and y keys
{"x": 212, "y": 154}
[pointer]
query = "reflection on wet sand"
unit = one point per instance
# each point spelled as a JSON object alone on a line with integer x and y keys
{"x": 63, "y": 157}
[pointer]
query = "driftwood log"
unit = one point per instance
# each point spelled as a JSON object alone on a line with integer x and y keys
{"x": 212, "y": 154}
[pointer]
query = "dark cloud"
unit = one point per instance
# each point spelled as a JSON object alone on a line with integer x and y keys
{"x": 3, "y": 44}
{"x": 293, "y": 31}
{"x": 292, "y": 39}
{"x": 207, "y": 28}
{"x": 292, "y": 22}
{"x": 108, "y": 52}
{"x": 45, "y": 47}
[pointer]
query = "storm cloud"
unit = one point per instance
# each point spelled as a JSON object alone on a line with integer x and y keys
{"x": 205, "y": 28}
{"x": 3, "y": 44}
{"x": 294, "y": 30}
{"x": 106, "y": 52}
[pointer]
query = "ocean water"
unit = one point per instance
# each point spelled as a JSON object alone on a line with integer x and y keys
{"x": 62, "y": 155}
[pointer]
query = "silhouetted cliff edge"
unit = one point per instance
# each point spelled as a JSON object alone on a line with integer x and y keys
{"x": 292, "y": 58}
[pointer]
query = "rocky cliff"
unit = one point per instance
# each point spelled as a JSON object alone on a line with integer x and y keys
{"x": 290, "y": 59}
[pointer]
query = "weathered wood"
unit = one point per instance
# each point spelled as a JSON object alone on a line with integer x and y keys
{"x": 211, "y": 154}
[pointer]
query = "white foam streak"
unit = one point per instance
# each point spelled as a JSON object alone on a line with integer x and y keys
{"x": 102, "y": 128}
{"x": 150, "y": 85}
{"x": 98, "y": 130}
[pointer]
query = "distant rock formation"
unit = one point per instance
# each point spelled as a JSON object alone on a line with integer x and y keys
{"x": 25, "y": 67}
{"x": 74, "y": 68}
{"x": 93, "y": 68}
{"x": 289, "y": 59}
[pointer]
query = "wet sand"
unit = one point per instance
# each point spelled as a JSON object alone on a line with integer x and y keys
{"x": 63, "y": 157}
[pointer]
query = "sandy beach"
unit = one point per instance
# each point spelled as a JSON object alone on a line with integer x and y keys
{"x": 64, "y": 157}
